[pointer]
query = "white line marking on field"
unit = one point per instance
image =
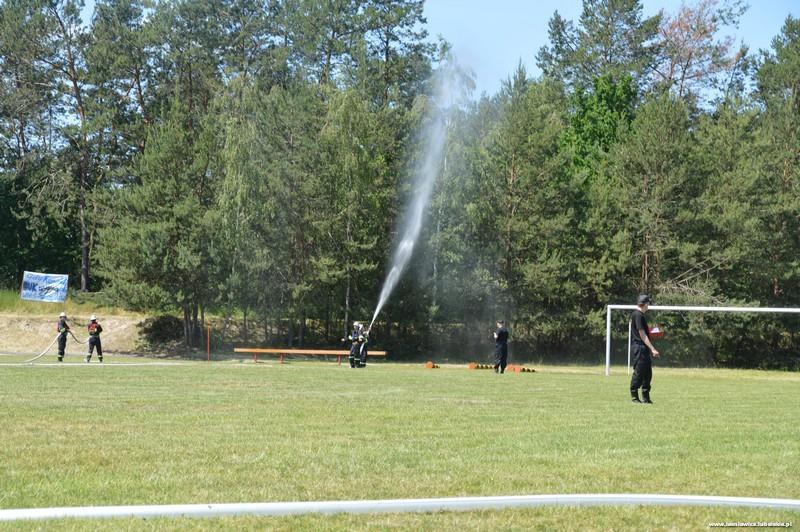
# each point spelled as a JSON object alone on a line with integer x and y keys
{"x": 393, "y": 506}
{"x": 84, "y": 364}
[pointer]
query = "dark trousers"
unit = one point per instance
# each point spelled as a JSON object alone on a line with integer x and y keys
{"x": 358, "y": 355}
{"x": 642, "y": 371}
{"x": 500, "y": 357}
{"x": 94, "y": 341}
{"x": 62, "y": 345}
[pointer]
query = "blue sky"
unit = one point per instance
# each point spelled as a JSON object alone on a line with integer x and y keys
{"x": 493, "y": 36}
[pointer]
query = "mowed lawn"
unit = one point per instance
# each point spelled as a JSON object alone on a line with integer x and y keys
{"x": 224, "y": 432}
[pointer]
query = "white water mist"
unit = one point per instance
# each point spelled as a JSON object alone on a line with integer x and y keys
{"x": 448, "y": 91}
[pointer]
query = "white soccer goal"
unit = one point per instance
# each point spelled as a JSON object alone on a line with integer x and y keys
{"x": 682, "y": 308}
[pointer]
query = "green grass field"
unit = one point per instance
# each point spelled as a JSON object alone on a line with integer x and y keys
{"x": 222, "y": 432}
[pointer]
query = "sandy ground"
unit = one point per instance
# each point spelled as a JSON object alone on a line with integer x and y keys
{"x": 32, "y": 334}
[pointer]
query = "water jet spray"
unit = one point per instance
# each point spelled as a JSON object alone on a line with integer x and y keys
{"x": 448, "y": 81}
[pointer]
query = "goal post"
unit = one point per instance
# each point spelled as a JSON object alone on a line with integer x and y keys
{"x": 683, "y": 308}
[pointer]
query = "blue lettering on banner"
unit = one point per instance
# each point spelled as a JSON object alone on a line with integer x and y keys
{"x": 51, "y": 287}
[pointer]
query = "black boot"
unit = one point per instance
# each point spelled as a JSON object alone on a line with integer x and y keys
{"x": 646, "y": 398}
{"x": 635, "y": 397}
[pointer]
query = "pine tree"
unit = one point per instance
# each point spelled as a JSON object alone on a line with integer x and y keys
{"x": 161, "y": 250}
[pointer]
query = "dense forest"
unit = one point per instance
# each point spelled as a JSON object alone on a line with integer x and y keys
{"x": 250, "y": 159}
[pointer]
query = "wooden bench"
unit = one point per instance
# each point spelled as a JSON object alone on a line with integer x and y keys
{"x": 285, "y": 351}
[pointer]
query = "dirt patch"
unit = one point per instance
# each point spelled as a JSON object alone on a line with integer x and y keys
{"x": 29, "y": 334}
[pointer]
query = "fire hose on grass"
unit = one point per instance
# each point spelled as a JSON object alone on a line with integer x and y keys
{"x": 40, "y": 355}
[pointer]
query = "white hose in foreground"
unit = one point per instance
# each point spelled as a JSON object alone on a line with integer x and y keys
{"x": 40, "y": 355}
{"x": 393, "y": 506}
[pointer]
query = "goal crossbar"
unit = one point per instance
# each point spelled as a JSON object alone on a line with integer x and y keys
{"x": 609, "y": 308}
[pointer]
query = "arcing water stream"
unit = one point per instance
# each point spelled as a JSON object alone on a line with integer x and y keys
{"x": 434, "y": 137}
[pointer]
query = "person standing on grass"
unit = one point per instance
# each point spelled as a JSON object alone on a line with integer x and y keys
{"x": 94, "y": 339}
{"x": 63, "y": 331}
{"x": 358, "y": 339}
{"x": 642, "y": 349}
{"x": 500, "y": 347}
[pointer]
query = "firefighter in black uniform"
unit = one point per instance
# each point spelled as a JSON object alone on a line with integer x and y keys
{"x": 358, "y": 339}
{"x": 642, "y": 351}
{"x": 94, "y": 339}
{"x": 500, "y": 347}
{"x": 63, "y": 331}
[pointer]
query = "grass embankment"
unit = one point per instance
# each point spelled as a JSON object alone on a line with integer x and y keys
{"x": 28, "y": 327}
{"x": 28, "y": 336}
{"x": 78, "y": 435}
{"x": 10, "y": 303}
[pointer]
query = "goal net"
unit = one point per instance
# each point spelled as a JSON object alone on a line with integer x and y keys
{"x": 735, "y": 336}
